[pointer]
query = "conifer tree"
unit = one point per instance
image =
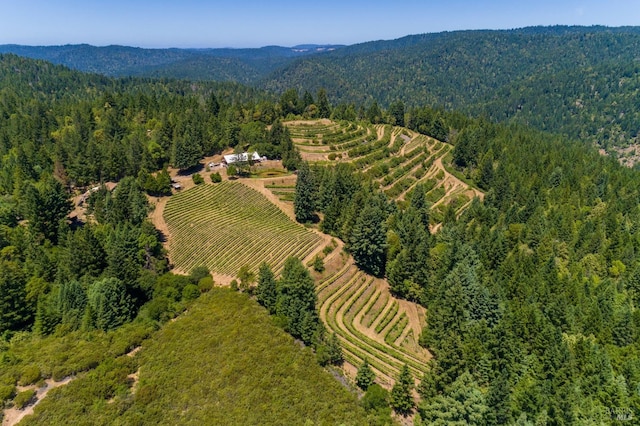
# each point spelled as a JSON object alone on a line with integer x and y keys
{"x": 290, "y": 156}
{"x": 266, "y": 291}
{"x": 307, "y": 99}
{"x": 401, "y": 398}
{"x": 186, "y": 153}
{"x": 324, "y": 110}
{"x": 304, "y": 199}
{"x": 334, "y": 351}
{"x": 110, "y": 304}
{"x": 396, "y": 111}
{"x": 14, "y": 312}
{"x": 213, "y": 106}
{"x": 72, "y": 299}
{"x": 464, "y": 403}
{"x": 296, "y": 300}
{"x": 368, "y": 239}
{"x": 427, "y": 387}
{"x": 365, "y": 376}
{"x": 498, "y": 401}
{"x": 46, "y": 204}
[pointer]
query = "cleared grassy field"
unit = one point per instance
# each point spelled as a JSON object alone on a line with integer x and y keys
{"x": 229, "y": 225}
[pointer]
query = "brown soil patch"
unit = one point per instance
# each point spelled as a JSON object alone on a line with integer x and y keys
{"x": 135, "y": 379}
{"x": 79, "y": 211}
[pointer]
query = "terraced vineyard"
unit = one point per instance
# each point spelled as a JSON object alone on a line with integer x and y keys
{"x": 395, "y": 157}
{"x": 367, "y": 319}
{"x": 229, "y": 225}
{"x": 372, "y": 324}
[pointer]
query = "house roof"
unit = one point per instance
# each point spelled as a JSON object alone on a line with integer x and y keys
{"x": 234, "y": 158}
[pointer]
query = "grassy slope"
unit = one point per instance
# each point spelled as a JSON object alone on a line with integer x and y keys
{"x": 222, "y": 362}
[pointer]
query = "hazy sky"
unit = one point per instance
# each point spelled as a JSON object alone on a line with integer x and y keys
{"x": 252, "y": 23}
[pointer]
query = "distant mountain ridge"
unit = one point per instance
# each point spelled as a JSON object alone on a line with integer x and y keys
{"x": 222, "y": 64}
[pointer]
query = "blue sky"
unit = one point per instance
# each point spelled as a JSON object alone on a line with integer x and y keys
{"x": 251, "y": 23}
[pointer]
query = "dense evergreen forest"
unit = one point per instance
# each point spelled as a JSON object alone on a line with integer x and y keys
{"x": 531, "y": 294}
{"x": 63, "y": 130}
{"x": 578, "y": 81}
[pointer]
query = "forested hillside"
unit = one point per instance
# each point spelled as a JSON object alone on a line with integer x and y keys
{"x": 531, "y": 294}
{"x": 84, "y": 278}
{"x": 580, "y": 81}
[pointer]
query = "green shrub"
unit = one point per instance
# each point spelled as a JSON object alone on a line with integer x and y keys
{"x": 7, "y": 392}
{"x": 197, "y": 179}
{"x": 332, "y": 156}
{"x": 198, "y": 273}
{"x": 376, "y": 398}
{"x": 24, "y": 398}
{"x": 59, "y": 373}
{"x": 216, "y": 178}
{"x": 158, "y": 309}
{"x": 190, "y": 292}
{"x": 30, "y": 375}
{"x": 318, "y": 264}
{"x": 205, "y": 284}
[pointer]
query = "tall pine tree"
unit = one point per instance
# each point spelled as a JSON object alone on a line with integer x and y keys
{"x": 368, "y": 240}
{"x": 401, "y": 398}
{"x": 266, "y": 291}
{"x": 304, "y": 199}
{"x": 365, "y": 376}
{"x": 296, "y": 301}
